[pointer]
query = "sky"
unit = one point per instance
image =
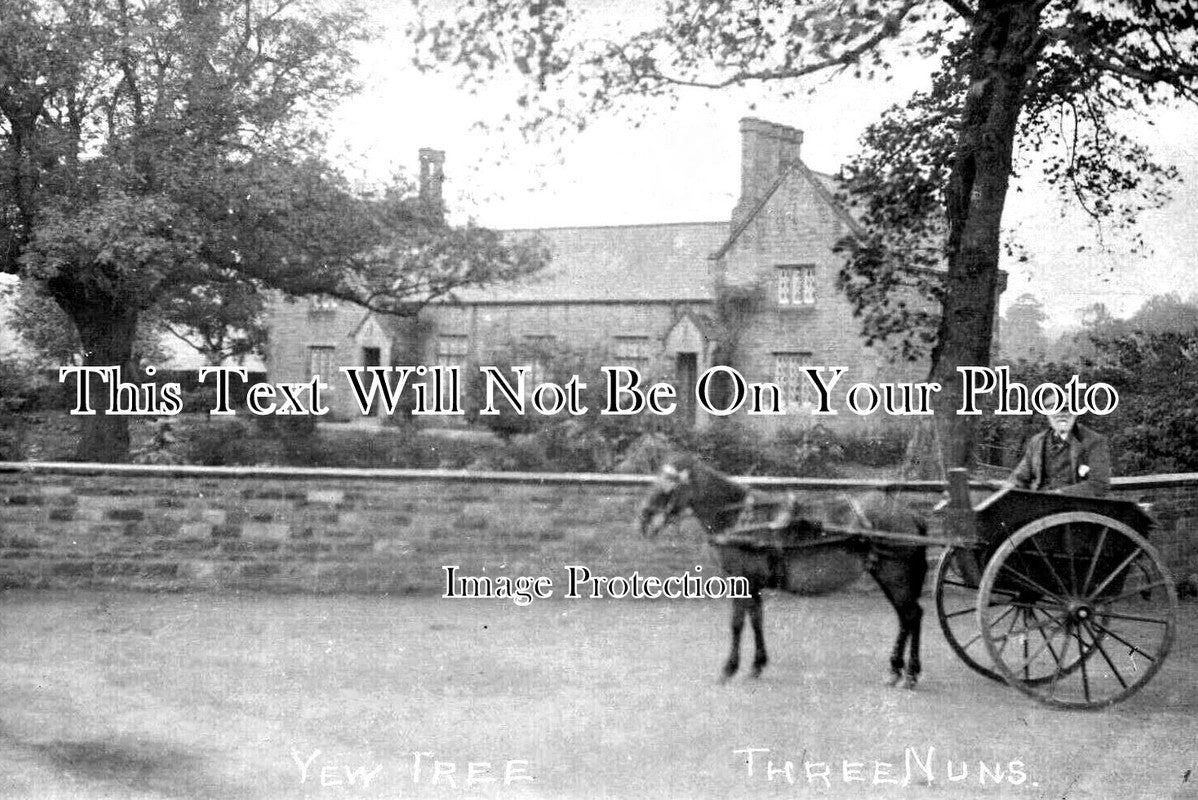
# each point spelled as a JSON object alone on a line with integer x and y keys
{"x": 682, "y": 165}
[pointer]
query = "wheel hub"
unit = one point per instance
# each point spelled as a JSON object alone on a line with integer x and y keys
{"x": 1080, "y": 612}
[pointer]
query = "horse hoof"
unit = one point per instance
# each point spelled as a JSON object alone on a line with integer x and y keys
{"x": 909, "y": 682}
{"x": 893, "y": 679}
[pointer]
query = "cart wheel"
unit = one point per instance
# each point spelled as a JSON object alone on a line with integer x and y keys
{"x": 956, "y": 608}
{"x": 1077, "y": 610}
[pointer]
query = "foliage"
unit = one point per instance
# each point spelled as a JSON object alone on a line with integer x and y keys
{"x": 1021, "y": 332}
{"x": 223, "y": 444}
{"x": 223, "y": 323}
{"x": 1156, "y": 374}
{"x": 165, "y": 158}
{"x": 1154, "y": 428}
{"x": 931, "y": 183}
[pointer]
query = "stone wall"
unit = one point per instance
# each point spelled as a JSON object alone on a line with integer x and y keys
{"x": 375, "y": 531}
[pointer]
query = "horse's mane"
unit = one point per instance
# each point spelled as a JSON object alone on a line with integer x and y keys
{"x": 715, "y": 497}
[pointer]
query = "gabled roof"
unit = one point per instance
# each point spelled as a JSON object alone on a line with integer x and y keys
{"x": 817, "y": 182}
{"x": 620, "y": 263}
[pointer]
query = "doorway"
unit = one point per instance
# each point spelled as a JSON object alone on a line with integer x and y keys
{"x": 686, "y": 372}
{"x": 372, "y": 357}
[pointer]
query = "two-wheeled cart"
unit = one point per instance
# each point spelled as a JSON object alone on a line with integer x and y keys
{"x": 1060, "y": 596}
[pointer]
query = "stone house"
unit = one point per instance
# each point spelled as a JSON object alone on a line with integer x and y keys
{"x": 756, "y": 293}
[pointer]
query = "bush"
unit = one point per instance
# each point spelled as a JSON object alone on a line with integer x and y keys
{"x": 287, "y": 426}
{"x": 883, "y": 448}
{"x": 224, "y": 444}
{"x": 26, "y": 388}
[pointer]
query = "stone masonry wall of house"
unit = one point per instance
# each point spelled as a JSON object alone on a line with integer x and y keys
{"x": 320, "y": 531}
{"x": 796, "y": 227}
{"x": 489, "y": 327}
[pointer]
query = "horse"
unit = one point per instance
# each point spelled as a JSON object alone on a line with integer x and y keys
{"x": 717, "y": 502}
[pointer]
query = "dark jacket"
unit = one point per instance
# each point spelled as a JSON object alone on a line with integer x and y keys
{"x": 1088, "y": 453}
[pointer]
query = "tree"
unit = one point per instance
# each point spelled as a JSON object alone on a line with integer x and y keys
{"x": 932, "y": 181}
{"x": 154, "y": 149}
{"x": 222, "y": 324}
{"x": 48, "y": 332}
{"x": 1022, "y": 330}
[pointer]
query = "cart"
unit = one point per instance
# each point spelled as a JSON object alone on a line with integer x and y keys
{"x": 1060, "y": 596}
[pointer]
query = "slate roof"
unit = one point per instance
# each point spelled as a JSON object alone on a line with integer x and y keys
{"x": 620, "y": 263}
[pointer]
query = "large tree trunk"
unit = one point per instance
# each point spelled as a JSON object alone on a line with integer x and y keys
{"x": 107, "y": 331}
{"x": 1003, "y": 51}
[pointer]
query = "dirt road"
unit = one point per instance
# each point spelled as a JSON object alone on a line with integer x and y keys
{"x": 116, "y": 695}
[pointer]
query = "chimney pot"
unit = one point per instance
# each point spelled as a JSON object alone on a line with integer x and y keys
{"x": 432, "y": 175}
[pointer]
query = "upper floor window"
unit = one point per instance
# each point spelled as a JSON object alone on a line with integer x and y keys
{"x": 797, "y": 391}
{"x": 321, "y": 302}
{"x": 796, "y": 285}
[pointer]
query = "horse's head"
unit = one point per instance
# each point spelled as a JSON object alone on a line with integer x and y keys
{"x": 688, "y": 483}
{"x": 668, "y": 499}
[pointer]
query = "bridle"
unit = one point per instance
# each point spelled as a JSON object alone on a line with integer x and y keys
{"x": 656, "y": 516}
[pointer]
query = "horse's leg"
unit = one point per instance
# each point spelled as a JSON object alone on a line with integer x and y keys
{"x": 881, "y": 569}
{"x": 915, "y": 573}
{"x": 756, "y": 609}
{"x": 900, "y": 646}
{"x": 739, "y": 607}
{"x": 915, "y": 623}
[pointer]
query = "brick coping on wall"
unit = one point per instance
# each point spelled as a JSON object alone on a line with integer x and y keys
{"x": 596, "y": 479}
{"x": 540, "y": 478}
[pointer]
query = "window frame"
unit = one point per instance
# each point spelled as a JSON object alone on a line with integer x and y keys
{"x": 794, "y": 285}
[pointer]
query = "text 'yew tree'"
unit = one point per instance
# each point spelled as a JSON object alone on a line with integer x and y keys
{"x": 1052, "y": 78}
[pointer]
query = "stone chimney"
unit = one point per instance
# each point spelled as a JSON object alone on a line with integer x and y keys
{"x": 766, "y": 151}
{"x": 432, "y": 175}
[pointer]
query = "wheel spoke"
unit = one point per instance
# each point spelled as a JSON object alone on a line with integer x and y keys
{"x": 1031, "y": 584}
{"x": 1094, "y": 561}
{"x": 1031, "y": 628}
{"x": 977, "y": 636}
{"x": 1027, "y": 667}
{"x": 1136, "y": 618}
{"x": 951, "y": 614}
{"x": 1130, "y": 592}
{"x": 1048, "y": 562}
{"x": 1058, "y": 658}
{"x": 974, "y": 587}
{"x": 1060, "y": 670}
{"x": 1105, "y": 657}
{"x": 1131, "y": 647}
{"x": 1085, "y": 674}
{"x": 1007, "y": 637}
{"x": 1036, "y": 654}
{"x": 1124, "y": 564}
{"x": 1071, "y": 556}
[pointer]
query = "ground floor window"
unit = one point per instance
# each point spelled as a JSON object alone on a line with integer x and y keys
{"x": 633, "y": 351}
{"x": 321, "y": 358}
{"x": 796, "y": 389}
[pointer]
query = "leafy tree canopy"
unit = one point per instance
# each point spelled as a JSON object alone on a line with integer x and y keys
{"x": 153, "y": 148}
{"x": 1054, "y": 77}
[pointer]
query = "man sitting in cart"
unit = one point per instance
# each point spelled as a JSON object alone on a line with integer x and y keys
{"x": 1068, "y": 458}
